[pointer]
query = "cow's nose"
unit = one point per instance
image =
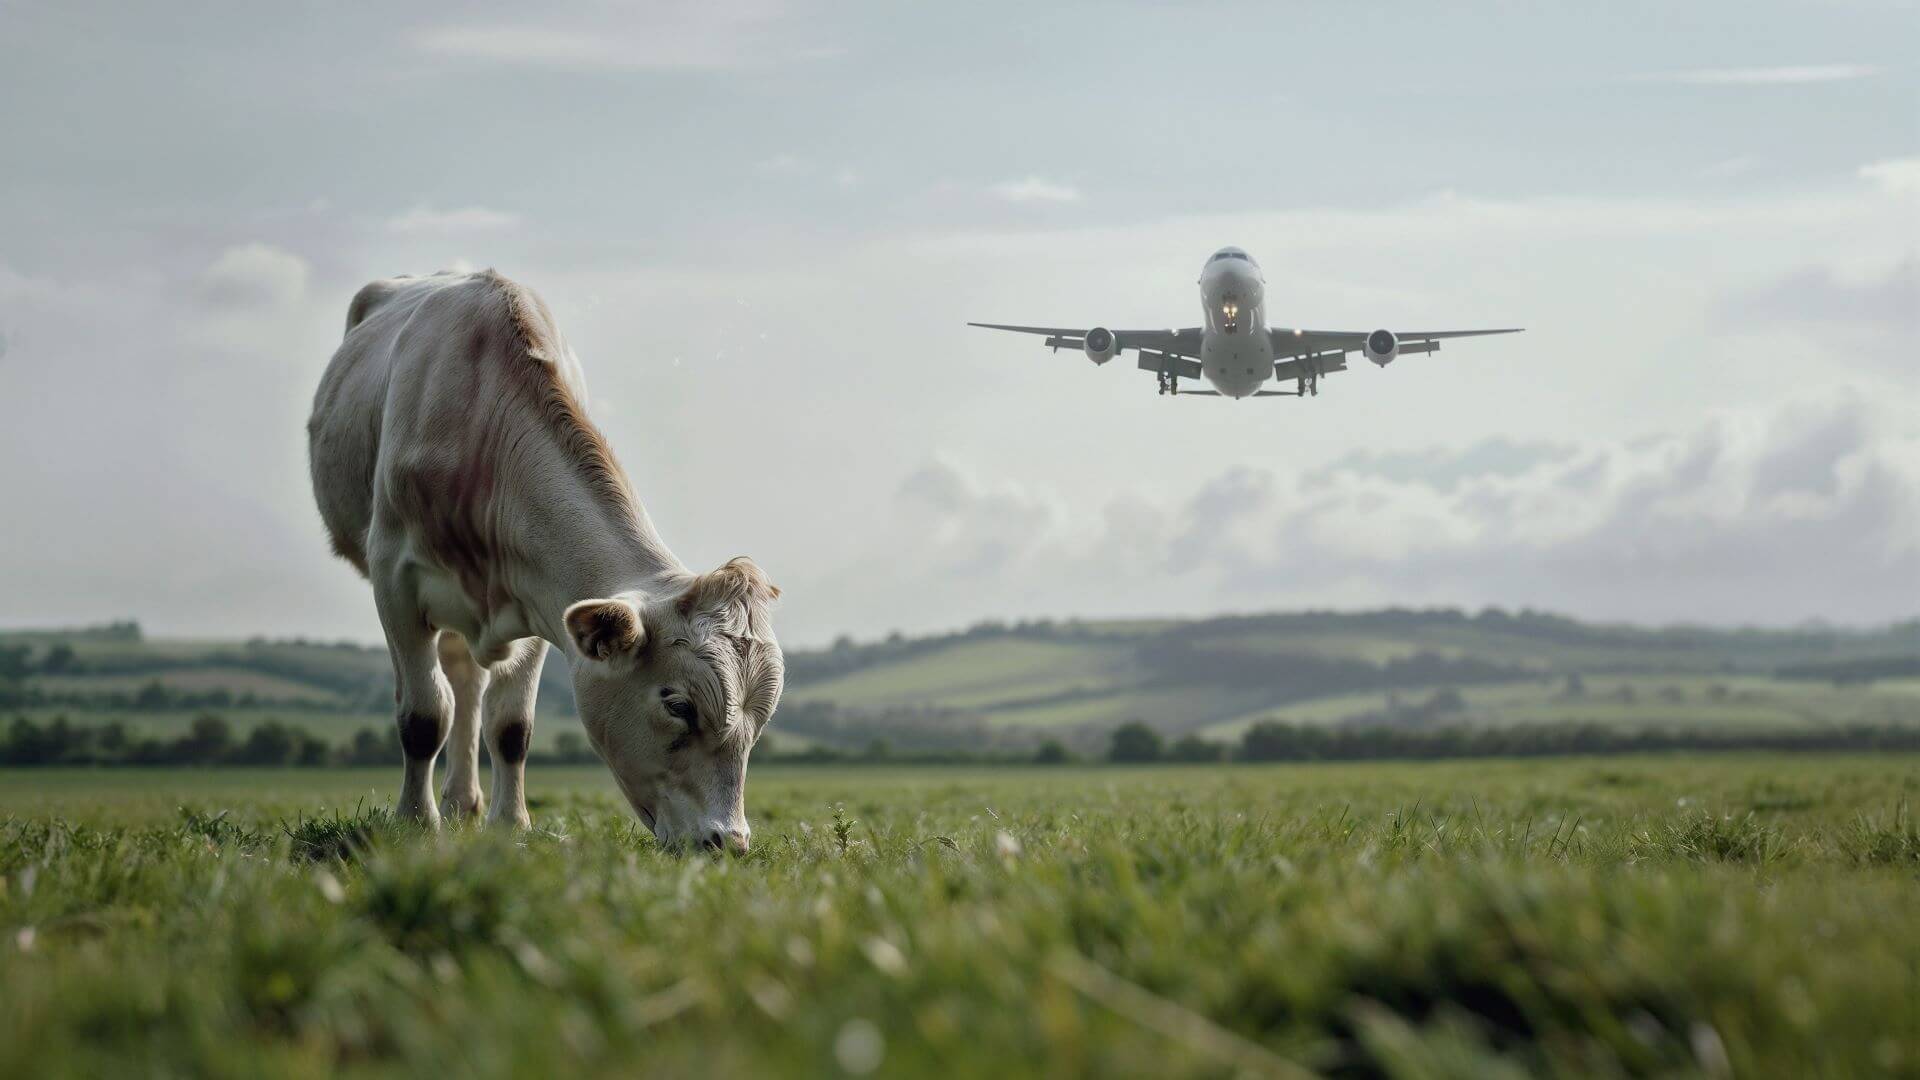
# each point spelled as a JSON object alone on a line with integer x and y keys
{"x": 729, "y": 840}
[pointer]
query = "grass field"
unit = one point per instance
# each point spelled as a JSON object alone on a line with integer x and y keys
{"x": 1744, "y": 915}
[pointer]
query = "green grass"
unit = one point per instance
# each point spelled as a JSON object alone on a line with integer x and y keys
{"x": 189, "y": 680}
{"x": 971, "y": 674}
{"x": 1748, "y": 703}
{"x": 1746, "y": 915}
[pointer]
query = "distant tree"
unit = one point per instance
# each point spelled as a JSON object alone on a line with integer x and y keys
{"x": 1576, "y": 686}
{"x": 112, "y": 739}
{"x": 207, "y": 741}
{"x": 371, "y": 747}
{"x": 1273, "y": 741}
{"x": 1193, "y": 748}
{"x": 878, "y": 750}
{"x": 13, "y": 661}
{"x": 25, "y": 744}
{"x": 310, "y": 749}
{"x": 571, "y": 746}
{"x": 1135, "y": 742}
{"x": 58, "y": 661}
{"x": 1052, "y": 752}
{"x": 269, "y": 743}
{"x": 152, "y": 696}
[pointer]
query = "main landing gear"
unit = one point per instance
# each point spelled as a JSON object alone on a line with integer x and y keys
{"x": 1309, "y": 380}
{"x": 1169, "y": 382}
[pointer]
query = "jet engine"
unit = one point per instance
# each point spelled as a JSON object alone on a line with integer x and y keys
{"x": 1382, "y": 347}
{"x": 1101, "y": 345}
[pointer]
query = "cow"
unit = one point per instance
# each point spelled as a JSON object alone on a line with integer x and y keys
{"x": 455, "y": 468}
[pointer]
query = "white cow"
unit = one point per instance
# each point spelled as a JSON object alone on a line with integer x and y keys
{"x": 455, "y": 467}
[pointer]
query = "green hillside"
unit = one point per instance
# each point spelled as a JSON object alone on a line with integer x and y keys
{"x": 1007, "y": 686}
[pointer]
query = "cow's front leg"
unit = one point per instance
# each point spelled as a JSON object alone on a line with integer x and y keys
{"x": 510, "y": 697}
{"x": 460, "y": 798}
{"x": 423, "y": 700}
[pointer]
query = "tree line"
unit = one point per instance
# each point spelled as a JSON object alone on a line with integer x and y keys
{"x": 211, "y": 740}
{"x": 1136, "y": 743}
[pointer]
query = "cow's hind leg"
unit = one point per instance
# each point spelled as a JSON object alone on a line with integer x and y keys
{"x": 423, "y": 700}
{"x": 460, "y": 797}
{"x": 510, "y": 697}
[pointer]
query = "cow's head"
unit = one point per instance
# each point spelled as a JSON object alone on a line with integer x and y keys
{"x": 674, "y": 691}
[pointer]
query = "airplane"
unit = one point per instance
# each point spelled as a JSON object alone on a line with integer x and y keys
{"x": 1236, "y": 351}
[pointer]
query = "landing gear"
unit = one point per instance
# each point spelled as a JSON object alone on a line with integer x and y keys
{"x": 1169, "y": 383}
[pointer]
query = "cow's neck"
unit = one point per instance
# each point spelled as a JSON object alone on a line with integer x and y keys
{"x": 605, "y": 549}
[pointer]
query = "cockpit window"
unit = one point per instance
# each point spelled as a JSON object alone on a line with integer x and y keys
{"x": 1218, "y": 255}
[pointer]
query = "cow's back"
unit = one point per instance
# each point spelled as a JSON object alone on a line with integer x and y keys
{"x": 419, "y": 354}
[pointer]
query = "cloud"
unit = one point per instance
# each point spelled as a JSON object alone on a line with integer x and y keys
{"x": 965, "y": 526}
{"x": 1787, "y": 75}
{"x": 254, "y": 275}
{"x": 1897, "y": 175}
{"x": 1767, "y": 515}
{"x": 1816, "y": 296}
{"x": 1035, "y": 189}
{"x": 783, "y": 165}
{"x": 677, "y": 35}
{"x": 426, "y": 219}
{"x": 1729, "y": 168}
{"x": 844, "y": 177}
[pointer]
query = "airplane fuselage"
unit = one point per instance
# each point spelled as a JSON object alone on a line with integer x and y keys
{"x": 1236, "y": 356}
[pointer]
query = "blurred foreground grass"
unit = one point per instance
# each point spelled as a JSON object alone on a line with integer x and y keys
{"x": 1743, "y": 915}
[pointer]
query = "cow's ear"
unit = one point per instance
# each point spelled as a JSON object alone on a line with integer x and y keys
{"x": 604, "y": 629}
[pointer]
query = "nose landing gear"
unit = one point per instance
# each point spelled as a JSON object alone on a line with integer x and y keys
{"x": 1169, "y": 383}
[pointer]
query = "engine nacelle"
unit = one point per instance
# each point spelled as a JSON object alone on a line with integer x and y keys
{"x": 1101, "y": 345}
{"x": 1381, "y": 347}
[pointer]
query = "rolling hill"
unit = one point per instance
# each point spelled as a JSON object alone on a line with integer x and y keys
{"x": 1007, "y": 686}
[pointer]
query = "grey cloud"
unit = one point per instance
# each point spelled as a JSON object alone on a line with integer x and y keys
{"x": 1767, "y": 517}
{"x": 963, "y": 526}
{"x": 1446, "y": 467}
{"x": 253, "y": 275}
{"x": 1816, "y": 296}
{"x": 675, "y": 36}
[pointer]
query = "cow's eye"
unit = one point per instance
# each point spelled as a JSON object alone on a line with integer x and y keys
{"x": 682, "y": 709}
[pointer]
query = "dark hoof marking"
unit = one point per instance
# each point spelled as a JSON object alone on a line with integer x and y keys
{"x": 421, "y": 735}
{"x": 514, "y": 737}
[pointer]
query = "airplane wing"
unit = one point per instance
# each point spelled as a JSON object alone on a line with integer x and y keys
{"x": 1184, "y": 342}
{"x": 1288, "y": 342}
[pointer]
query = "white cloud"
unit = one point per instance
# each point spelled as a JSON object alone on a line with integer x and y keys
{"x": 427, "y": 219}
{"x": 1896, "y": 175}
{"x": 1729, "y": 168}
{"x": 1788, "y": 75}
{"x": 1887, "y": 303}
{"x": 844, "y": 177}
{"x": 1035, "y": 189}
{"x": 783, "y": 165}
{"x": 254, "y": 275}
{"x": 676, "y": 35}
{"x": 1769, "y": 515}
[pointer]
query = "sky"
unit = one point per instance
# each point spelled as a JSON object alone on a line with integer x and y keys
{"x": 763, "y": 225}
